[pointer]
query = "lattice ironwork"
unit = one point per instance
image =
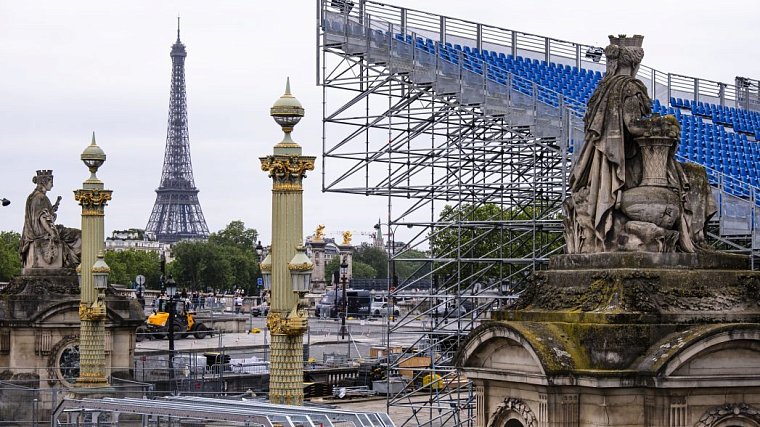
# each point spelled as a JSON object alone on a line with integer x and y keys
{"x": 177, "y": 213}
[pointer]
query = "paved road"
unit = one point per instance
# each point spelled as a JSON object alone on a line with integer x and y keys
{"x": 324, "y": 336}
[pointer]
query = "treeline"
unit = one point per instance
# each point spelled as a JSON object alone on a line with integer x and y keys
{"x": 226, "y": 261}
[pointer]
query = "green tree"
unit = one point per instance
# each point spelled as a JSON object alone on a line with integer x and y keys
{"x": 126, "y": 265}
{"x": 244, "y": 268}
{"x": 359, "y": 269}
{"x": 374, "y": 257}
{"x": 412, "y": 269}
{"x": 10, "y": 260}
{"x": 488, "y": 232}
{"x": 235, "y": 234}
{"x": 226, "y": 261}
{"x": 199, "y": 265}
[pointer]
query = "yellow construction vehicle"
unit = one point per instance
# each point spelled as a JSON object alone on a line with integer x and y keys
{"x": 157, "y": 324}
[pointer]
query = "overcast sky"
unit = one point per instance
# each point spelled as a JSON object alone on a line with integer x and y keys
{"x": 68, "y": 68}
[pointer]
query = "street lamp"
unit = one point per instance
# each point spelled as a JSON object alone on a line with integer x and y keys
{"x": 171, "y": 292}
{"x": 391, "y": 252}
{"x": 5, "y": 201}
{"x": 259, "y": 282}
{"x": 344, "y": 309}
{"x": 266, "y": 271}
{"x": 100, "y": 271}
{"x": 300, "y": 271}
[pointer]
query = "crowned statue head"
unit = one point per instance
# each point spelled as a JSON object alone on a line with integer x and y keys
{"x": 624, "y": 54}
{"x": 44, "y": 180}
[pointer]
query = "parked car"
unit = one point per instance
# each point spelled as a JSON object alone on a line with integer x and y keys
{"x": 381, "y": 308}
{"x": 260, "y": 310}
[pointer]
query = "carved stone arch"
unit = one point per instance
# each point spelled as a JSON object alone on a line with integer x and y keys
{"x": 746, "y": 338}
{"x": 730, "y": 415}
{"x": 488, "y": 339}
{"x": 512, "y": 409}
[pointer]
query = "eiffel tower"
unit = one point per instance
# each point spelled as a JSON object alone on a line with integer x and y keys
{"x": 177, "y": 213}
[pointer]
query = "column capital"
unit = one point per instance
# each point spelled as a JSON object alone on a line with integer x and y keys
{"x": 287, "y": 172}
{"x": 93, "y": 201}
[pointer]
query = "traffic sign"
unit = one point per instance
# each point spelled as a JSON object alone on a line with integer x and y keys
{"x": 140, "y": 279}
{"x": 260, "y": 282}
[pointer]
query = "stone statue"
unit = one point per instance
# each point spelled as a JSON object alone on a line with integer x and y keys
{"x": 319, "y": 234}
{"x": 346, "y": 238}
{"x": 43, "y": 243}
{"x": 628, "y": 193}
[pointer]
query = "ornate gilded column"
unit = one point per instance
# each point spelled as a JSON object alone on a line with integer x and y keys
{"x": 92, "y": 310}
{"x": 286, "y": 320}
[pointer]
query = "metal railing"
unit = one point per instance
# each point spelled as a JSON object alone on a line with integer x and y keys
{"x": 743, "y": 93}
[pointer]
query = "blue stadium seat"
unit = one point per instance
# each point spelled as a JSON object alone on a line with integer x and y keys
{"x": 713, "y": 135}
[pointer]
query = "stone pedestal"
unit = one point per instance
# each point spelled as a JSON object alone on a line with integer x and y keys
{"x": 346, "y": 250}
{"x": 39, "y": 336}
{"x": 318, "y": 275}
{"x": 621, "y": 340}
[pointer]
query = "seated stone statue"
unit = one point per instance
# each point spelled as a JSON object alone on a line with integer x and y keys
{"x": 44, "y": 244}
{"x": 628, "y": 193}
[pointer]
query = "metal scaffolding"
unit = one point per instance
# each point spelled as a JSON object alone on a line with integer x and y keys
{"x": 476, "y": 169}
{"x": 459, "y": 162}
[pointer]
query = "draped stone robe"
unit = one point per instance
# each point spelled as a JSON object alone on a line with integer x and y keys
{"x": 608, "y": 159}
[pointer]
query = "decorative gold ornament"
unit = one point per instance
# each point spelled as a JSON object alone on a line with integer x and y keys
{"x": 92, "y": 199}
{"x": 274, "y": 323}
{"x": 306, "y": 266}
{"x": 105, "y": 269}
{"x": 287, "y": 187}
{"x": 94, "y": 312}
{"x": 287, "y": 168}
{"x": 293, "y": 325}
{"x": 346, "y": 238}
{"x": 98, "y": 377}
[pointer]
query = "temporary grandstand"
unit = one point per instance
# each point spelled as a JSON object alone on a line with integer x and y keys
{"x": 431, "y": 111}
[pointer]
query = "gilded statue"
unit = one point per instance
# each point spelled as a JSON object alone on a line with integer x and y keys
{"x": 346, "y": 238}
{"x": 628, "y": 192}
{"x": 319, "y": 234}
{"x": 45, "y": 244}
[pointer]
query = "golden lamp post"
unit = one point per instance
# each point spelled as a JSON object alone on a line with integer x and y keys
{"x": 93, "y": 273}
{"x": 286, "y": 270}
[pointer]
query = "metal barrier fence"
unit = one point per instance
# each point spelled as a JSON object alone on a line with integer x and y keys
{"x": 24, "y": 403}
{"x": 29, "y": 399}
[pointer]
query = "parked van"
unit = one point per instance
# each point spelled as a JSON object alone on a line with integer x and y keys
{"x": 331, "y": 304}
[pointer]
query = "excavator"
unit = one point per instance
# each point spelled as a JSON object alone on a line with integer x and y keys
{"x": 156, "y": 325}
